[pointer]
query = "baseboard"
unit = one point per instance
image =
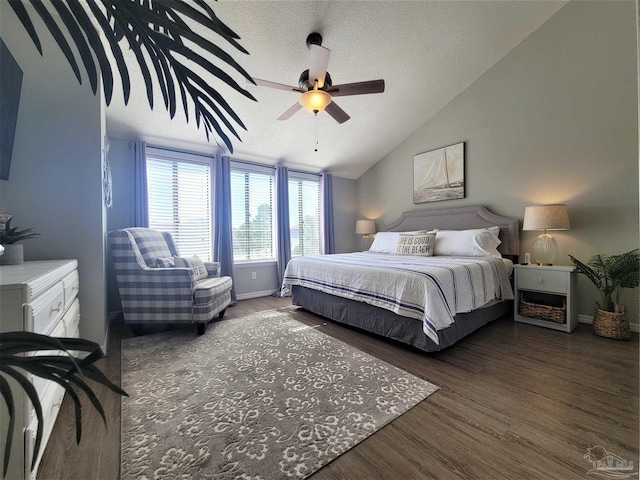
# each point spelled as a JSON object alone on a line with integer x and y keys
{"x": 634, "y": 327}
{"x": 247, "y": 296}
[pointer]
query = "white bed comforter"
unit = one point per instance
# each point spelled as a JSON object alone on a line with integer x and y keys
{"x": 431, "y": 289}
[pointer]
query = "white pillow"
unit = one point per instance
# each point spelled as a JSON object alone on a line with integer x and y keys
{"x": 477, "y": 242}
{"x": 387, "y": 242}
{"x": 195, "y": 263}
{"x": 421, "y": 244}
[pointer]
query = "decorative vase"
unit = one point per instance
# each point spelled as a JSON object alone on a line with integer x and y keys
{"x": 13, "y": 254}
{"x": 611, "y": 324}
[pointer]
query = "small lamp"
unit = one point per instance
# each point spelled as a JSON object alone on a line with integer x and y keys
{"x": 545, "y": 217}
{"x": 365, "y": 228}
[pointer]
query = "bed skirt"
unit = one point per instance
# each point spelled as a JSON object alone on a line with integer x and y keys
{"x": 388, "y": 324}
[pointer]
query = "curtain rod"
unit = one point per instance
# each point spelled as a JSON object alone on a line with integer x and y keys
{"x": 246, "y": 162}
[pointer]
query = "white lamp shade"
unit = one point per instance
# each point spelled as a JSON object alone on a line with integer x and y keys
{"x": 546, "y": 217}
{"x": 365, "y": 227}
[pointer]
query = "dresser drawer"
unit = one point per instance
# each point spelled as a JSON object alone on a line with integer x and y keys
{"x": 51, "y": 402}
{"x": 71, "y": 320}
{"x": 41, "y": 384}
{"x": 42, "y": 314}
{"x": 542, "y": 280}
{"x": 71, "y": 285}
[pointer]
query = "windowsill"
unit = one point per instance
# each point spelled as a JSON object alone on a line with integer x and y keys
{"x": 253, "y": 264}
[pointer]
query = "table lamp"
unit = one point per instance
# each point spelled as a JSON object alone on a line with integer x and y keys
{"x": 545, "y": 217}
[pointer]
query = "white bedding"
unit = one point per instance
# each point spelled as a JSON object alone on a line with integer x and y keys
{"x": 431, "y": 289}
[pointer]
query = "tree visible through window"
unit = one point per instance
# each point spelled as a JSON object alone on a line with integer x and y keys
{"x": 304, "y": 214}
{"x": 179, "y": 199}
{"x": 252, "y": 209}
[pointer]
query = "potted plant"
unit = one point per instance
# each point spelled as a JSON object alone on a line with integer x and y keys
{"x": 9, "y": 238}
{"x": 611, "y": 274}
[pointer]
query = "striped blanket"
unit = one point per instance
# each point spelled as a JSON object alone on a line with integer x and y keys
{"x": 431, "y": 289}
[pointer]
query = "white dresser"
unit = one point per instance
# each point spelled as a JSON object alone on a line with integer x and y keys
{"x": 41, "y": 297}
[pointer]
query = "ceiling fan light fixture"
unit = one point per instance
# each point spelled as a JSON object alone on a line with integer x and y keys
{"x": 315, "y": 101}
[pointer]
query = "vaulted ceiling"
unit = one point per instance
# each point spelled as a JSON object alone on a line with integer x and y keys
{"x": 426, "y": 51}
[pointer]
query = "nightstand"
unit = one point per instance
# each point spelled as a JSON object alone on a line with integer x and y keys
{"x": 545, "y": 296}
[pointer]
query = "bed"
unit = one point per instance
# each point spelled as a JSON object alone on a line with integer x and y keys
{"x": 336, "y": 293}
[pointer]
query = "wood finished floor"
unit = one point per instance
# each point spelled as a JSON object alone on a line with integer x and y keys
{"x": 515, "y": 401}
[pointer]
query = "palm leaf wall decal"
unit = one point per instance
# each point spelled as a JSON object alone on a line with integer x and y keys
{"x": 56, "y": 363}
{"x": 159, "y": 33}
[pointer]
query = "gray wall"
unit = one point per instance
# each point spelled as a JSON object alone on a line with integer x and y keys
{"x": 55, "y": 183}
{"x": 555, "y": 121}
{"x": 266, "y": 281}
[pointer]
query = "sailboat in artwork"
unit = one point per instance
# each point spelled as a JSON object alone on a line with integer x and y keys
{"x": 446, "y": 170}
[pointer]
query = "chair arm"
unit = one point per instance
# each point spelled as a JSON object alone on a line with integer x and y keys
{"x": 156, "y": 279}
{"x": 213, "y": 268}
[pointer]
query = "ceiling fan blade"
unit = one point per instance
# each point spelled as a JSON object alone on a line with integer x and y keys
{"x": 338, "y": 114}
{"x": 278, "y": 86}
{"x": 358, "y": 88}
{"x": 292, "y": 109}
{"x": 318, "y": 63}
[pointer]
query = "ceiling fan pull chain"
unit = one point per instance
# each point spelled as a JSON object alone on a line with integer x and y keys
{"x": 316, "y": 149}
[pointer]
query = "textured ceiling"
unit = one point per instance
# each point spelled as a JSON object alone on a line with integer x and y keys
{"x": 426, "y": 51}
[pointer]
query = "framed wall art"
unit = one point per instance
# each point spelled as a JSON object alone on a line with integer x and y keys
{"x": 439, "y": 174}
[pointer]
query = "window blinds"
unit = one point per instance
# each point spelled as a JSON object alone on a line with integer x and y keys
{"x": 179, "y": 196}
{"x": 252, "y": 209}
{"x": 304, "y": 214}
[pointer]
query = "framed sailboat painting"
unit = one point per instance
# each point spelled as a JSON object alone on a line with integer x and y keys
{"x": 439, "y": 174}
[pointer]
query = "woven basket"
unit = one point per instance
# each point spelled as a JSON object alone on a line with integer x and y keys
{"x": 611, "y": 324}
{"x": 543, "y": 312}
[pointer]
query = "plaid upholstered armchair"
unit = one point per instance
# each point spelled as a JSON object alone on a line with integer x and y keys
{"x": 156, "y": 285}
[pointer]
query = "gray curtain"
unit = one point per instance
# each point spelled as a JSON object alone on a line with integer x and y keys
{"x": 326, "y": 202}
{"x": 283, "y": 239}
{"x": 223, "y": 235}
{"x": 140, "y": 214}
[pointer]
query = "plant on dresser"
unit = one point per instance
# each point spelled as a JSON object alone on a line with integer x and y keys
{"x": 10, "y": 235}
{"x": 54, "y": 362}
{"x": 12, "y": 253}
{"x": 611, "y": 274}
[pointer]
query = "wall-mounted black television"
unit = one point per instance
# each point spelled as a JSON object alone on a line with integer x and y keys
{"x": 10, "y": 87}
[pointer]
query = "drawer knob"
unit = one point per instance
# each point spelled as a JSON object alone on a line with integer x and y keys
{"x": 540, "y": 280}
{"x": 56, "y": 309}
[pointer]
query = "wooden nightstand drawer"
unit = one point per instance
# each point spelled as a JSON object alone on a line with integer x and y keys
{"x": 542, "y": 280}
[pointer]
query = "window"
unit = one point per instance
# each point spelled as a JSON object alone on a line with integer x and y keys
{"x": 179, "y": 197}
{"x": 304, "y": 214}
{"x": 252, "y": 210}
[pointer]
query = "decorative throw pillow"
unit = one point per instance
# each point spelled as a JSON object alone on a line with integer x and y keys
{"x": 417, "y": 244}
{"x": 165, "y": 262}
{"x": 387, "y": 242}
{"x": 195, "y": 263}
{"x": 477, "y": 242}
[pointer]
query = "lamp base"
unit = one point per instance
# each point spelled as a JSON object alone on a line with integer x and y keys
{"x": 545, "y": 249}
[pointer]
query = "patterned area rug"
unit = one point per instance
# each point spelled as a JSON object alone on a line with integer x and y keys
{"x": 263, "y": 397}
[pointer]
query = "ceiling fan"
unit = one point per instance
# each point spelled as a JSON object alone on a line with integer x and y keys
{"x": 316, "y": 87}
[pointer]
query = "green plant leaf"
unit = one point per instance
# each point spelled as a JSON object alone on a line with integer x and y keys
{"x": 58, "y": 37}
{"x": 5, "y": 389}
{"x": 26, "y": 22}
{"x": 78, "y": 39}
{"x": 159, "y": 28}
{"x": 32, "y": 394}
{"x": 611, "y": 274}
{"x": 66, "y": 370}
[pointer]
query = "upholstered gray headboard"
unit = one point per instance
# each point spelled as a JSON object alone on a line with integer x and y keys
{"x": 461, "y": 218}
